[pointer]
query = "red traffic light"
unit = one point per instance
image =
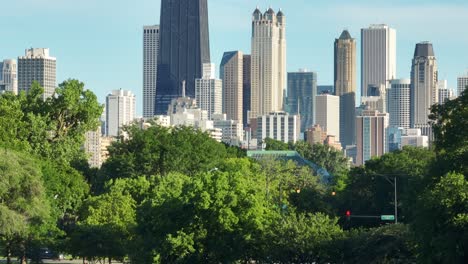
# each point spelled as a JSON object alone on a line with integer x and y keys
{"x": 348, "y": 213}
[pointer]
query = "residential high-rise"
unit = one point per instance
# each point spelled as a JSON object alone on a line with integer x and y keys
{"x": 279, "y": 126}
{"x": 268, "y": 62}
{"x": 232, "y": 74}
{"x": 345, "y": 85}
{"x": 371, "y": 135}
{"x": 444, "y": 93}
{"x": 302, "y": 90}
{"x": 184, "y": 48}
{"x": 424, "y": 89}
{"x": 378, "y": 51}
{"x": 209, "y": 91}
{"x": 37, "y": 65}
{"x": 398, "y": 102}
{"x": 328, "y": 114}
{"x": 9, "y": 76}
{"x": 462, "y": 83}
{"x": 120, "y": 111}
{"x": 246, "y": 89}
{"x": 150, "y": 67}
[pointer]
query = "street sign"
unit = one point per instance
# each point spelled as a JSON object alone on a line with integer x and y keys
{"x": 387, "y": 217}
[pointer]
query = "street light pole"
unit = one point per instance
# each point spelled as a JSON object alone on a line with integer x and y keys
{"x": 396, "y": 199}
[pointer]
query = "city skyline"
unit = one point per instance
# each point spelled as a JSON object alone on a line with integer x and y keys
{"x": 69, "y": 41}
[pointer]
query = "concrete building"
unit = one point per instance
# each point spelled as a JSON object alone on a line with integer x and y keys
{"x": 378, "y": 51}
{"x": 95, "y": 147}
{"x": 120, "y": 111}
{"x": 232, "y": 74}
{"x": 268, "y": 62}
{"x": 413, "y": 137}
{"x": 232, "y": 130}
{"x": 209, "y": 91}
{"x": 445, "y": 93}
{"x": 328, "y": 114}
{"x": 150, "y": 67}
{"x": 462, "y": 83}
{"x": 371, "y": 132}
{"x": 315, "y": 135}
{"x": 246, "y": 89}
{"x": 345, "y": 85}
{"x": 424, "y": 89}
{"x": 9, "y": 76}
{"x": 37, "y": 65}
{"x": 302, "y": 90}
{"x": 279, "y": 126}
{"x": 398, "y": 102}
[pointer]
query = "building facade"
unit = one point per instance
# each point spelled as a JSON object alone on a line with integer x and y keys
{"x": 232, "y": 130}
{"x": 424, "y": 86}
{"x": 279, "y": 126}
{"x": 302, "y": 91}
{"x": 462, "y": 83}
{"x": 209, "y": 91}
{"x": 268, "y": 62}
{"x": 398, "y": 102}
{"x": 231, "y": 72}
{"x": 371, "y": 132}
{"x": 246, "y": 89}
{"x": 9, "y": 76}
{"x": 328, "y": 114}
{"x": 184, "y": 47}
{"x": 345, "y": 85}
{"x": 378, "y": 51}
{"x": 120, "y": 111}
{"x": 37, "y": 65}
{"x": 150, "y": 67}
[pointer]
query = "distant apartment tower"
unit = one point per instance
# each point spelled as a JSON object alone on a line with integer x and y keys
{"x": 37, "y": 65}
{"x": 246, "y": 89}
{"x": 424, "y": 89}
{"x": 232, "y": 74}
{"x": 209, "y": 91}
{"x": 462, "y": 83}
{"x": 315, "y": 135}
{"x": 328, "y": 114}
{"x": 444, "y": 93}
{"x": 302, "y": 90}
{"x": 120, "y": 111}
{"x": 150, "y": 67}
{"x": 9, "y": 76}
{"x": 268, "y": 62}
{"x": 92, "y": 148}
{"x": 398, "y": 103}
{"x": 378, "y": 51}
{"x": 279, "y": 126}
{"x": 345, "y": 85}
{"x": 371, "y": 135}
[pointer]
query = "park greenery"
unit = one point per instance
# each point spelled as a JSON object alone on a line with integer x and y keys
{"x": 174, "y": 195}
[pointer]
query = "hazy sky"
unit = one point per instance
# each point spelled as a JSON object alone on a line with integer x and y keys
{"x": 100, "y": 41}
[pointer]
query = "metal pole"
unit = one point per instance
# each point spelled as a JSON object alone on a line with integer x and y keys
{"x": 396, "y": 201}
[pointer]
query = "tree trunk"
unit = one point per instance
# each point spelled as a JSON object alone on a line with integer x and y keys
{"x": 110, "y": 260}
{"x": 23, "y": 259}
{"x": 8, "y": 253}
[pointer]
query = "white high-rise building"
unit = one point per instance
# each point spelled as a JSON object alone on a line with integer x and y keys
{"x": 444, "y": 93}
{"x": 279, "y": 126}
{"x": 150, "y": 67}
{"x": 120, "y": 111}
{"x": 328, "y": 114}
{"x": 37, "y": 65}
{"x": 9, "y": 76}
{"x": 398, "y": 101}
{"x": 378, "y": 51}
{"x": 268, "y": 62}
{"x": 371, "y": 135}
{"x": 462, "y": 83}
{"x": 209, "y": 91}
{"x": 233, "y": 131}
{"x": 413, "y": 137}
{"x": 424, "y": 87}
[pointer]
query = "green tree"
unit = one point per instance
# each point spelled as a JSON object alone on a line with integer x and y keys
{"x": 23, "y": 204}
{"x": 272, "y": 144}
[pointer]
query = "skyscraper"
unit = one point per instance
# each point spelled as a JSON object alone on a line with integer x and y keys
{"x": 150, "y": 66}
{"x": 231, "y": 72}
{"x": 371, "y": 139}
{"x": 444, "y": 93}
{"x": 37, "y": 65}
{"x": 209, "y": 91}
{"x": 268, "y": 69}
{"x": 9, "y": 76}
{"x": 345, "y": 85}
{"x": 302, "y": 90}
{"x": 328, "y": 114}
{"x": 279, "y": 126}
{"x": 398, "y": 98}
{"x": 120, "y": 111}
{"x": 184, "y": 48}
{"x": 424, "y": 89}
{"x": 462, "y": 83}
{"x": 246, "y": 89}
{"x": 378, "y": 51}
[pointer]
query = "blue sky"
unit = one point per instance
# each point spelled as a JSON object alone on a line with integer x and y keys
{"x": 100, "y": 41}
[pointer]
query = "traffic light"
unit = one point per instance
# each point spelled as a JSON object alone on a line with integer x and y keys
{"x": 348, "y": 215}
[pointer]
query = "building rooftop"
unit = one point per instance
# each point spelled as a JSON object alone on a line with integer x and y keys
{"x": 345, "y": 35}
{"x": 424, "y": 49}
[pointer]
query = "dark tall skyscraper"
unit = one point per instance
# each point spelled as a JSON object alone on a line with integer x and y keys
{"x": 302, "y": 90}
{"x": 246, "y": 88}
{"x": 184, "y": 47}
